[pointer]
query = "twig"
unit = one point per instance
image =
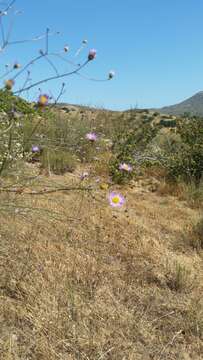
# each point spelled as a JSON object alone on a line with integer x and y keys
{"x": 105, "y": 353}
{"x": 170, "y": 343}
{"x": 163, "y": 316}
{"x": 45, "y": 192}
{"x": 53, "y": 78}
{"x": 47, "y": 41}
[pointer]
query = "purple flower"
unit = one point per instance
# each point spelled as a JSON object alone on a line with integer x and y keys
{"x": 84, "y": 175}
{"x": 125, "y": 167}
{"x": 116, "y": 199}
{"x": 91, "y": 136}
{"x": 35, "y": 149}
{"x": 92, "y": 54}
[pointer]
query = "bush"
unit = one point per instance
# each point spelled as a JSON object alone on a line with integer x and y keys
{"x": 9, "y": 103}
{"x": 126, "y": 146}
{"x": 168, "y": 123}
{"x": 187, "y": 163}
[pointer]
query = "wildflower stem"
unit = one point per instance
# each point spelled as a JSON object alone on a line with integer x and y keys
{"x": 53, "y": 78}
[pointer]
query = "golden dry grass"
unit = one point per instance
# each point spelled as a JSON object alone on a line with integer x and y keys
{"x": 80, "y": 280}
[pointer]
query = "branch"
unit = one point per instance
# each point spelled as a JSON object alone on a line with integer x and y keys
{"x": 45, "y": 192}
{"x": 53, "y": 78}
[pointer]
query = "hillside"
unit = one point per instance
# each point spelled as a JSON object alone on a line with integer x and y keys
{"x": 82, "y": 279}
{"x": 193, "y": 106}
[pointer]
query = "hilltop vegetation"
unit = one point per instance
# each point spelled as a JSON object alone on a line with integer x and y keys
{"x": 81, "y": 279}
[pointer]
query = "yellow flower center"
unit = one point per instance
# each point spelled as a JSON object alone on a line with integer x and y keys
{"x": 115, "y": 199}
{"x": 43, "y": 100}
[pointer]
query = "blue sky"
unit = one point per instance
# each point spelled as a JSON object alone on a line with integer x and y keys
{"x": 155, "y": 47}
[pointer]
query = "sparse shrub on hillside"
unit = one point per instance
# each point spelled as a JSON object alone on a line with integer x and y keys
{"x": 57, "y": 161}
{"x": 126, "y": 148}
{"x": 178, "y": 276}
{"x": 177, "y": 150}
{"x": 168, "y": 123}
{"x": 195, "y": 235}
{"x": 10, "y": 103}
{"x": 193, "y": 194}
{"x": 187, "y": 163}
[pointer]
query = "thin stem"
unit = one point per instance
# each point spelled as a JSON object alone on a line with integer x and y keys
{"x": 27, "y": 65}
{"x": 47, "y": 41}
{"x": 51, "y": 64}
{"x": 53, "y": 78}
{"x": 2, "y": 32}
{"x": 9, "y": 148}
{"x": 9, "y": 5}
{"x": 37, "y": 38}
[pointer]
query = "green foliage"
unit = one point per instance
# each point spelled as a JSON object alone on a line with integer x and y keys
{"x": 9, "y": 103}
{"x": 125, "y": 147}
{"x": 120, "y": 176}
{"x": 187, "y": 163}
{"x": 168, "y": 123}
{"x": 16, "y": 117}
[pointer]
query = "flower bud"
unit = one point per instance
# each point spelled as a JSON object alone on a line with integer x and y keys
{"x": 16, "y": 66}
{"x": 9, "y": 84}
{"x": 92, "y": 54}
{"x": 111, "y": 74}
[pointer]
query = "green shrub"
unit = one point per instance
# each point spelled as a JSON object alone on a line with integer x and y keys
{"x": 125, "y": 148}
{"x": 9, "y": 102}
{"x": 119, "y": 176}
{"x": 187, "y": 163}
{"x": 181, "y": 150}
{"x": 168, "y": 123}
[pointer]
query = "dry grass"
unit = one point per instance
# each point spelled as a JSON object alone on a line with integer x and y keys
{"x": 82, "y": 281}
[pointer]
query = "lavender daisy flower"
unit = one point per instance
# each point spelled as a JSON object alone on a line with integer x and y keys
{"x": 125, "y": 167}
{"x": 43, "y": 100}
{"x": 92, "y": 54}
{"x": 35, "y": 149}
{"x": 84, "y": 175}
{"x": 116, "y": 199}
{"x": 91, "y": 136}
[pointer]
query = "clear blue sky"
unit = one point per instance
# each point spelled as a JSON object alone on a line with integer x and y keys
{"x": 155, "y": 47}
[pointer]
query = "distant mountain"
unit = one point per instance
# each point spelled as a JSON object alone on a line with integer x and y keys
{"x": 193, "y": 105}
